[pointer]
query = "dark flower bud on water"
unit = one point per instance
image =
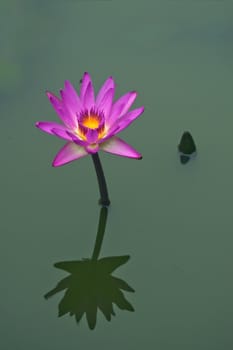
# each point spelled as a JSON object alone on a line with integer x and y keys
{"x": 186, "y": 147}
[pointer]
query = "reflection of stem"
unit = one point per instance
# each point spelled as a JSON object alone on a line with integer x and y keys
{"x": 104, "y": 200}
{"x": 100, "y": 232}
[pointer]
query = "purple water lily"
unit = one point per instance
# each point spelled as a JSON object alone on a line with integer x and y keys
{"x": 90, "y": 124}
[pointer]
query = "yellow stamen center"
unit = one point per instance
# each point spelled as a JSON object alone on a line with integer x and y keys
{"x": 91, "y": 122}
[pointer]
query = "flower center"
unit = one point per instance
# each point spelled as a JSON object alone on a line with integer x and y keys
{"x": 91, "y": 121}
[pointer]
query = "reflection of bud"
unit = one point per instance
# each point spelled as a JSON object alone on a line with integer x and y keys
{"x": 186, "y": 147}
{"x": 90, "y": 286}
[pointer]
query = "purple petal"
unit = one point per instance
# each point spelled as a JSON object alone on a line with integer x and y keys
{"x": 111, "y": 132}
{"x": 72, "y": 93}
{"x": 119, "y": 147}
{"x": 92, "y": 136}
{"x": 76, "y": 139}
{"x": 60, "y": 109}
{"x": 123, "y": 123}
{"x": 126, "y": 120}
{"x": 106, "y": 103}
{"x": 86, "y": 79}
{"x": 92, "y": 148}
{"x": 68, "y": 153}
{"x": 108, "y": 84}
{"x": 89, "y": 97}
{"x": 63, "y": 134}
{"x": 121, "y": 106}
{"x": 49, "y": 126}
{"x": 71, "y": 100}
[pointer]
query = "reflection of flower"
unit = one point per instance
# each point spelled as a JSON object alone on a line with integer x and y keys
{"x": 91, "y": 286}
{"x": 91, "y": 123}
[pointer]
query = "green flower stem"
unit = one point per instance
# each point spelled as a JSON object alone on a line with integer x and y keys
{"x": 100, "y": 232}
{"x": 104, "y": 200}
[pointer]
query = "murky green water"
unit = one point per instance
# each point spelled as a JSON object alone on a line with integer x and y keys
{"x": 175, "y": 221}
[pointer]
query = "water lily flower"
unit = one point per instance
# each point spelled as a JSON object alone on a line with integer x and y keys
{"x": 90, "y": 123}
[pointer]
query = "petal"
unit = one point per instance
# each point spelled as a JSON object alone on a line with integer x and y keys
{"x": 121, "y": 106}
{"x": 60, "y": 109}
{"x": 76, "y": 139}
{"x": 111, "y": 132}
{"x": 106, "y": 103}
{"x": 71, "y": 100}
{"x": 86, "y": 79}
{"x": 89, "y": 97}
{"x": 92, "y": 135}
{"x": 123, "y": 123}
{"x": 49, "y": 126}
{"x": 119, "y": 147}
{"x": 63, "y": 134}
{"x": 92, "y": 148}
{"x": 73, "y": 95}
{"x": 68, "y": 153}
{"x": 126, "y": 120}
{"x": 108, "y": 84}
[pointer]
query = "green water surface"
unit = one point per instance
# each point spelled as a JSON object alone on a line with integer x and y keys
{"x": 174, "y": 220}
